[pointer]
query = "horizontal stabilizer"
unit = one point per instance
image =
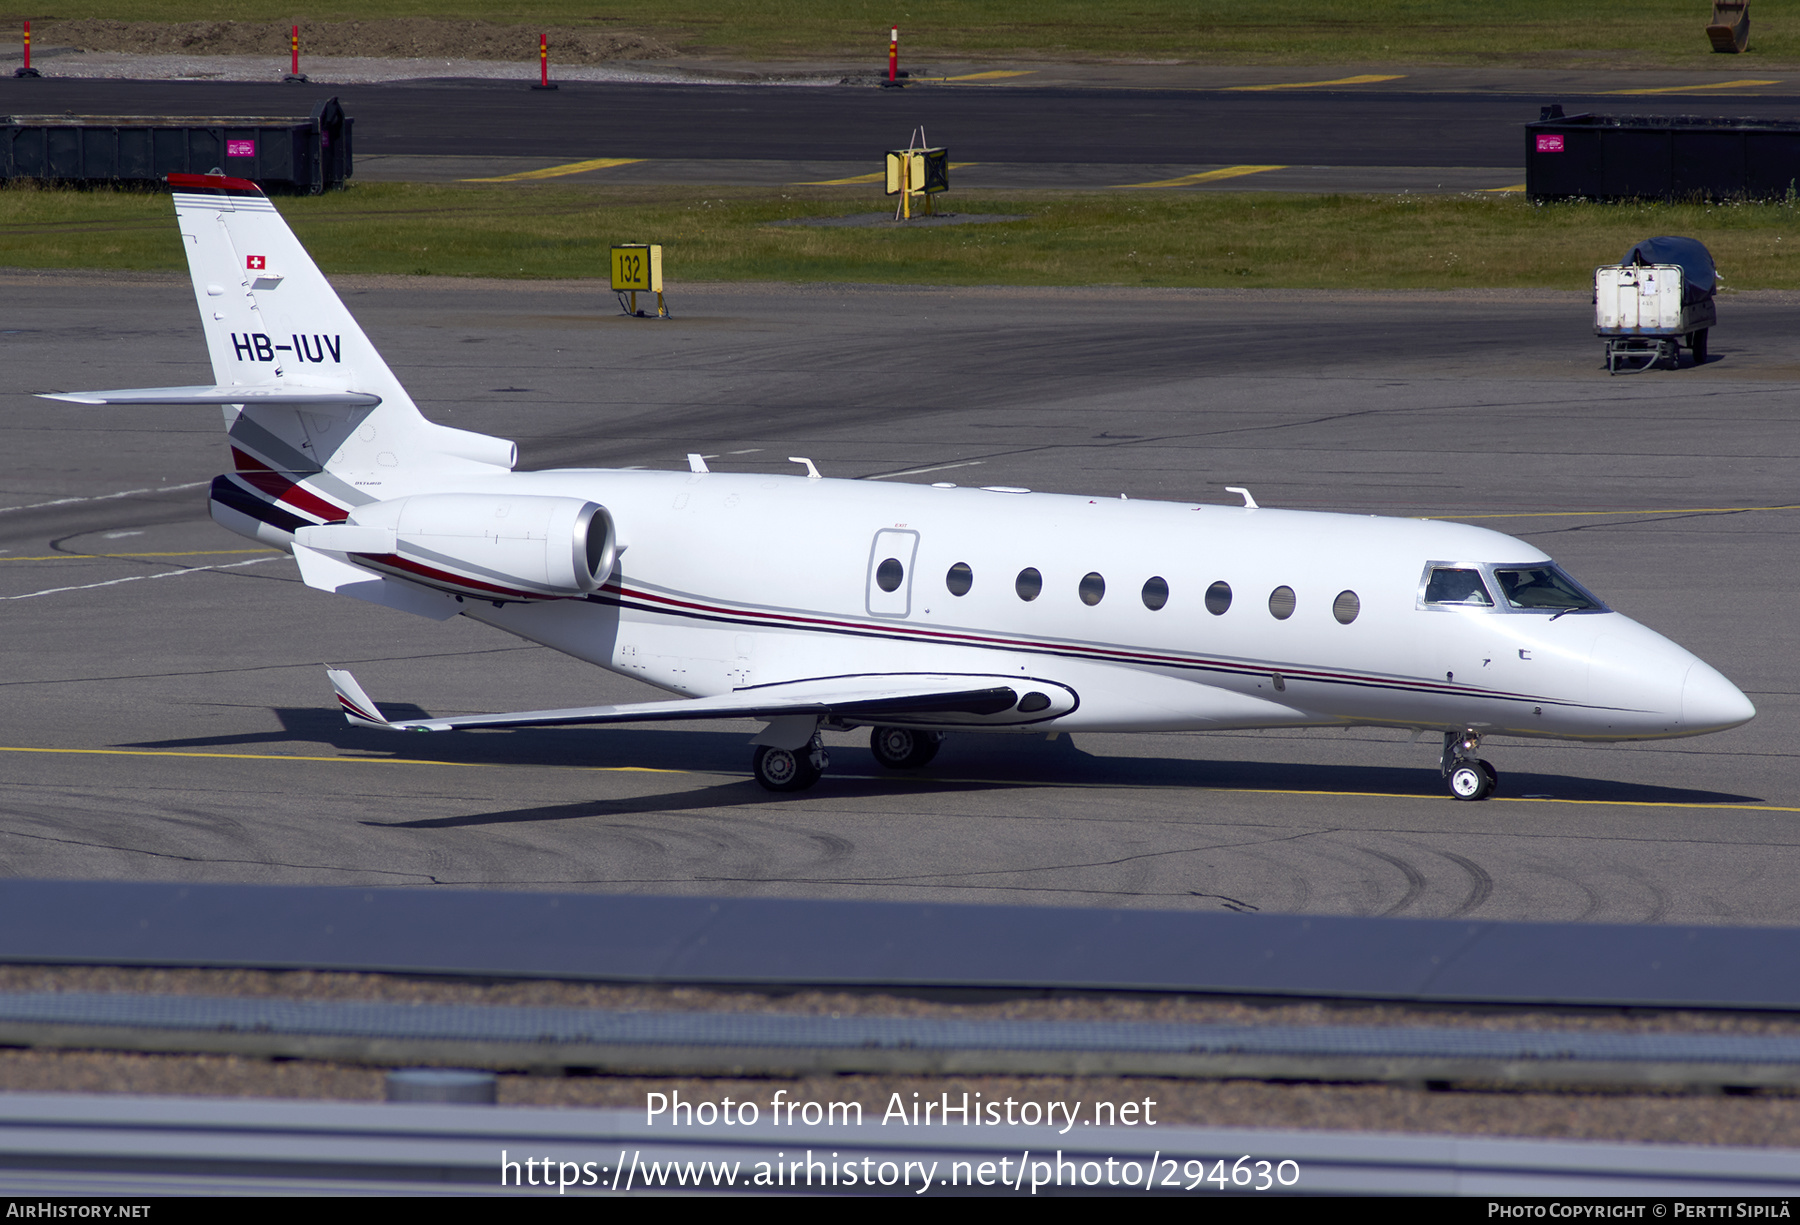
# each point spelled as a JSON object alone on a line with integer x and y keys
{"x": 914, "y": 697}
{"x": 261, "y": 393}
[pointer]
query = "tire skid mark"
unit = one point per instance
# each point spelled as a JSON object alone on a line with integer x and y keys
{"x": 1415, "y": 880}
{"x": 1480, "y": 884}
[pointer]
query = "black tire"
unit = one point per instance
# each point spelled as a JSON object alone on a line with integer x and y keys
{"x": 1493, "y": 777}
{"x": 902, "y": 748}
{"x": 1468, "y": 781}
{"x": 1697, "y": 346}
{"x": 784, "y": 769}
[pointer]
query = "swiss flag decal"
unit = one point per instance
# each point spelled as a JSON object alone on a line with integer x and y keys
{"x": 255, "y": 263}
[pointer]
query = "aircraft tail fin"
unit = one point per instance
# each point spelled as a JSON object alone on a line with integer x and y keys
{"x": 323, "y": 425}
{"x": 318, "y": 424}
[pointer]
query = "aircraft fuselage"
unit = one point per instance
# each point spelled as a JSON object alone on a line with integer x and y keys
{"x": 726, "y": 581}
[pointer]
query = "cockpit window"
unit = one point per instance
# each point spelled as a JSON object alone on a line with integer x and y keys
{"x": 1544, "y": 587}
{"x": 1450, "y": 585}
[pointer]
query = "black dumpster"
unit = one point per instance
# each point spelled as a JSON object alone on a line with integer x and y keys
{"x": 300, "y": 155}
{"x": 1639, "y": 157}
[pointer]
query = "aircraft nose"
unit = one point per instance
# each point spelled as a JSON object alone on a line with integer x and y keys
{"x": 1710, "y": 703}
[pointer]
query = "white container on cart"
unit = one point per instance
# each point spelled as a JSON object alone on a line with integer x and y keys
{"x": 1646, "y": 311}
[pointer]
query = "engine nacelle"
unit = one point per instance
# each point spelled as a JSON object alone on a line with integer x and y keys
{"x": 482, "y": 546}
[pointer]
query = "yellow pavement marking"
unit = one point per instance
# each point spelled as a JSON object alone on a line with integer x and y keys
{"x": 1207, "y": 176}
{"x": 103, "y": 556}
{"x": 1383, "y": 795}
{"x": 993, "y": 76}
{"x": 1362, "y": 80}
{"x": 1518, "y": 799}
{"x": 1693, "y": 89}
{"x": 1588, "y": 514}
{"x": 1514, "y": 187}
{"x": 380, "y": 761}
{"x": 556, "y": 172}
{"x": 878, "y": 177}
{"x": 1363, "y": 795}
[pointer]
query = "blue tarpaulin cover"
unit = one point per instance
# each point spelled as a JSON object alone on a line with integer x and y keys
{"x": 1699, "y": 279}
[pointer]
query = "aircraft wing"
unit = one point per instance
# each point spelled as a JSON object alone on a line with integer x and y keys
{"x": 915, "y": 696}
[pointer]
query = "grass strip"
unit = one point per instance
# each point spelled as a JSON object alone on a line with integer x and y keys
{"x": 1143, "y": 238}
{"x": 1534, "y": 32}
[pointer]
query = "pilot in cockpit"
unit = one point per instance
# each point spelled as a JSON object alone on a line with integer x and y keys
{"x": 1453, "y": 586}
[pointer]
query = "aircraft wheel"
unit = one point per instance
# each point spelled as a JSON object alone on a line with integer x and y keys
{"x": 1697, "y": 346}
{"x": 1493, "y": 776}
{"x": 901, "y": 748}
{"x": 785, "y": 769}
{"x": 1471, "y": 780}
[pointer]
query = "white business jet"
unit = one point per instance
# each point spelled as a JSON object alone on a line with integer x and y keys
{"x": 913, "y": 611}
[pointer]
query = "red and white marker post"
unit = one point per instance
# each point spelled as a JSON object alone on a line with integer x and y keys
{"x": 543, "y": 63}
{"x": 27, "y": 70}
{"x": 894, "y": 57}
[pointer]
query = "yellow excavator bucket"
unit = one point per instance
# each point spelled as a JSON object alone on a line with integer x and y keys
{"x": 1730, "y": 28}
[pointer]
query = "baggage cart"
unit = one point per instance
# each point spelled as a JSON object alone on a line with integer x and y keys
{"x": 1654, "y": 302}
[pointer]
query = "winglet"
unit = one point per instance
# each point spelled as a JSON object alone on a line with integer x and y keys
{"x": 358, "y": 709}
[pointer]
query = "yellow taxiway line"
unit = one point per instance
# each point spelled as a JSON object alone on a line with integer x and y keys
{"x": 1000, "y": 74}
{"x": 557, "y": 172}
{"x": 1514, "y": 187}
{"x": 1589, "y": 514}
{"x": 1208, "y": 176}
{"x": 877, "y": 177}
{"x": 922, "y": 781}
{"x": 379, "y": 761}
{"x": 1362, "y": 80}
{"x": 1715, "y": 87}
{"x": 104, "y": 556}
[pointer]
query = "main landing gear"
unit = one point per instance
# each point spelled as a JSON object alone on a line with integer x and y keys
{"x": 1467, "y": 776}
{"x": 901, "y": 748}
{"x": 897, "y": 748}
{"x": 790, "y": 769}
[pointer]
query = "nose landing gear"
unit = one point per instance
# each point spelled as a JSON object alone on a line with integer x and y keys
{"x": 1468, "y": 777}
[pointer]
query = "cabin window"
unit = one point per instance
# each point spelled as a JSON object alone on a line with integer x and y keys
{"x": 1281, "y": 603}
{"x": 1029, "y": 583}
{"x": 1218, "y": 598}
{"x": 1544, "y": 588}
{"x": 1156, "y": 593}
{"x": 1454, "y": 585}
{"x": 889, "y": 573}
{"x": 1093, "y": 589}
{"x": 960, "y": 578}
{"x": 1345, "y": 607}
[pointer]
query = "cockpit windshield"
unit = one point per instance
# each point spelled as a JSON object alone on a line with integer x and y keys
{"x": 1544, "y": 588}
{"x": 1456, "y": 585}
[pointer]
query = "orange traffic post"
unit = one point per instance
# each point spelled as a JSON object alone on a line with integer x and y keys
{"x": 294, "y": 76}
{"x": 543, "y": 63}
{"x": 27, "y": 70}
{"x": 893, "y": 80}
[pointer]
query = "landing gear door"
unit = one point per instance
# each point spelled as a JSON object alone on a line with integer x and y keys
{"x": 890, "y": 574}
